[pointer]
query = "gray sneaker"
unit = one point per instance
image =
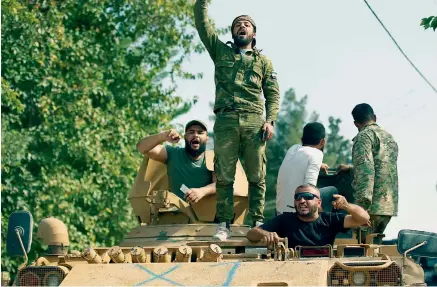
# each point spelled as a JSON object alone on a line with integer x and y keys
{"x": 223, "y": 233}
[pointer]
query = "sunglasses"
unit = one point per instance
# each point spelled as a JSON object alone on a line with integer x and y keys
{"x": 304, "y": 195}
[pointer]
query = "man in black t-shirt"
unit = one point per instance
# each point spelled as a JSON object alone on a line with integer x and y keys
{"x": 306, "y": 226}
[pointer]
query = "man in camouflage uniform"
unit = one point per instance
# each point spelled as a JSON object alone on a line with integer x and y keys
{"x": 242, "y": 73}
{"x": 375, "y": 174}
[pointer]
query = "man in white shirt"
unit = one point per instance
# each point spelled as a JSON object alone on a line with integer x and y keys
{"x": 301, "y": 165}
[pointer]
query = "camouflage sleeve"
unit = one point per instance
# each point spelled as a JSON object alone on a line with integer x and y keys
{"x": 364, "y": 170}
{"x": 206, "y": 31}
{"x": 271, "y": 91}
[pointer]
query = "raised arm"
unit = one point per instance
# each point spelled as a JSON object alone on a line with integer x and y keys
{"x": 206, "y": 31}
{"x": 357, "y": 215}
{"x": 364, "y": 171}
{"x": 151, "y": 145}
{"x": 271, "y": 92}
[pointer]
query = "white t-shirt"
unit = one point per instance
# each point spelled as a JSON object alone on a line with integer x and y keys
{"x": 301, "y": 165}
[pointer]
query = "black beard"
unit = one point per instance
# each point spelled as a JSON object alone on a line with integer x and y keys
{"x": 195, "y": 152}
{"x": 242, "y": 42}
{"x": 312, "y": 211}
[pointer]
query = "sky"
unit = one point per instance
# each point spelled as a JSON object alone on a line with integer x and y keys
{"x": 337, "y": 53}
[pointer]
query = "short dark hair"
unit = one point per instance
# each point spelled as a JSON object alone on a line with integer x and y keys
{"x": 305, "y": 185}
{"x": 313, "y": 133}
{"x": 363, "y": 113}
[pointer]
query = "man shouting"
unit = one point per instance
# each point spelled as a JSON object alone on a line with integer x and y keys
{"x": 242, "y": 74}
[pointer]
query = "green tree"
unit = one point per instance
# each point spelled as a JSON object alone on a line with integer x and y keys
{"x": 338, "y": 149}
{"x": 292, "y": 117}
{"x": 429, "y": 22}
{"x": 82, "y": 81}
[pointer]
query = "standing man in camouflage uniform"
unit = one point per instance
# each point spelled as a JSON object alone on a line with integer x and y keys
{"x": 375, "y": 173}
{"x": 242, "y": 73}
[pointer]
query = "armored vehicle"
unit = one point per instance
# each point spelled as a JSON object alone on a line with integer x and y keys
{"x": 172, "y": 246}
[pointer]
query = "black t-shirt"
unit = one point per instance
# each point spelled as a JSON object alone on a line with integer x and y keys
{"x": 320, "y": 232}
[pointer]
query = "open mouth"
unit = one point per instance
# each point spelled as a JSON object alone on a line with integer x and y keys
{"x": 242, "y": 33}
{"x": 303, "y": 208}
{"x": 195, "y": 144}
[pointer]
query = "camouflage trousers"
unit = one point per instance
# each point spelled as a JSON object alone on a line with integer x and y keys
{"x": 239, "y": 134}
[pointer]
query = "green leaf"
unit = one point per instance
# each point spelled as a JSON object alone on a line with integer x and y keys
{"x": 429, "y": 22}
{"x": 81, "y": 83}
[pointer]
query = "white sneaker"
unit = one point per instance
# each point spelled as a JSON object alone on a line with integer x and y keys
{"x": 222, "y": 233}
{"x": 258, "y": 223}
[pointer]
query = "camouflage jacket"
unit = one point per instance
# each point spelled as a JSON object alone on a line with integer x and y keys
{"x": 375, "y": 174}
{"x": 239, "y": 78}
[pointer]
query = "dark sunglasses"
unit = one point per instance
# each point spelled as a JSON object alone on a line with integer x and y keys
{"x": 305, "y": 195}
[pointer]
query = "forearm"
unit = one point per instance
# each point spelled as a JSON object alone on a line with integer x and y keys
{"x": 206, "y": 31}
{"x": 364, "y": 170}
{"x": 208, "y": 189}
{"x": 358, "y": 213}
{"x": 272, "y": 107}
{"x": 148, "y": 143}
{"x": 271, "y": 92}
{"x": 363, "y": 187}
{"x": 364, "y": 199}
{"x": 313, "y": 170}
{"x": 200, "y": 13}
{"x": 256, "y": 234}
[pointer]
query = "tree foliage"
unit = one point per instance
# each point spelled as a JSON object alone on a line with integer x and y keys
{"x": 429, "y": 22}
{"x": 292, "y": 117}
{"x": 337, "y": 149}
{"x": 82, "y": 81}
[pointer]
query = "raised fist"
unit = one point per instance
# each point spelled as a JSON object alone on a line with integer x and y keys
{"x": 340, "y": 202}
{"x": 173, "y": 136}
